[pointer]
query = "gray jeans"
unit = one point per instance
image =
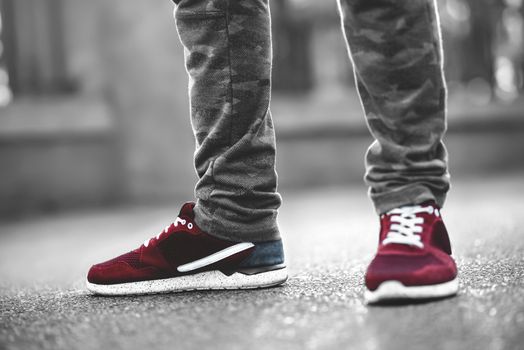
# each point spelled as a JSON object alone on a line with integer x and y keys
{"x": 396, "y": 52}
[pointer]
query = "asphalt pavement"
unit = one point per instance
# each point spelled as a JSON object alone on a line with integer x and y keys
{"x": 330, "y": 235}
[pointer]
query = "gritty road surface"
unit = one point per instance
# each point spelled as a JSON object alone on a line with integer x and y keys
{"x": 330, "y": 235}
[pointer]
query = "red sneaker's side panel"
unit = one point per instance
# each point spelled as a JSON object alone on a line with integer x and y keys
{"x": 179, "y": 244}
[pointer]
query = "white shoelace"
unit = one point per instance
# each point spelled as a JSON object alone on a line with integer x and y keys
{"x": 177, "y": 221}
{"x": 405, "y": 225}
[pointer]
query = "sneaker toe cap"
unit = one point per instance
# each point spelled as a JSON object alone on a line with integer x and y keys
{"x": 116, "y": 272}
{"x": 120, "y": 272}
{"x": 409, "y": 270}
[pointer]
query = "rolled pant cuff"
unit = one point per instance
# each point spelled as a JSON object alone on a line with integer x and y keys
{"x": 220, "y": 226}
{"x": 405, "y": 195}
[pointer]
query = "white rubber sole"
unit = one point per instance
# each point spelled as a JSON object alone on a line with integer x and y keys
{"x": 394, "y": 290}
{"x": 209, "y": 280}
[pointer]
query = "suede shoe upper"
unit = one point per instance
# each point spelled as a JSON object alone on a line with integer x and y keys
{"x": 414, "y": 248}
{"x": 162, "y": 256}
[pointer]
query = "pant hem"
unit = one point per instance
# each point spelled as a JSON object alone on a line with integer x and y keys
{"x": 406, "y": 195}
{"x": 256, "y": 232}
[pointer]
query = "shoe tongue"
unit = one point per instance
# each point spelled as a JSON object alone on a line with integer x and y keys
{"x": 430, "y": 202}
{"x": 187, "y": 210}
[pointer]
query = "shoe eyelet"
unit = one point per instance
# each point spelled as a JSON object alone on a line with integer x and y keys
{"x": 190, "y": 226}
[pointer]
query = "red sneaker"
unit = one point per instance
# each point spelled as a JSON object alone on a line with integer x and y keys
{"x": 413, "y": 260}
{"x": 183, "y": 257}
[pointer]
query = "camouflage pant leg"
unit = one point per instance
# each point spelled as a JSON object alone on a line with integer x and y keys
{"x": 396, "y": 52}
{"x": 228, "y": 58}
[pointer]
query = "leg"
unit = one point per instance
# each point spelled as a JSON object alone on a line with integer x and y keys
{"x": 229, "y": 239}
{"x": 228, "y": 59}
{"x": 397, "y": 57}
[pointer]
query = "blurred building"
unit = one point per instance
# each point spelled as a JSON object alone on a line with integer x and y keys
{"x": 95, "y": 107}
{"x": 93, "y": 101}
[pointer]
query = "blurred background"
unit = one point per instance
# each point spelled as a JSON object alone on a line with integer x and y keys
{"x": 96, "y": 155}
{"x": 94, "y": 110}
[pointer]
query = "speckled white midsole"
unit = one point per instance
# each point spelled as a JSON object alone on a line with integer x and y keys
{"x": 390, "y": 290}
{"x": 208, "y": 280}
